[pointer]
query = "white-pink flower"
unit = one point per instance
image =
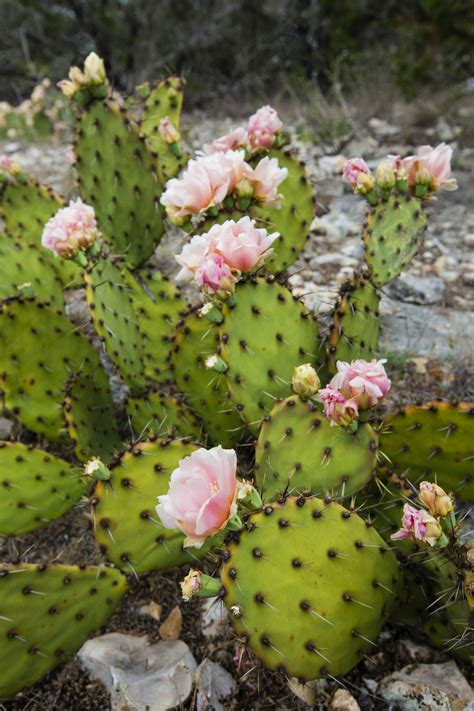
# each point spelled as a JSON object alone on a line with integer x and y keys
{"x": 265, "y": 178}
{"x": 71, "y": 229}
{"x": 262, "y": 127}
{"x": 202, "y": 495}
{"x": 192, "y": 255}
{"x": 230, "y": 142}
{"x": 339, "y": 410}
{"x": 352, "y": 168}
{"x": 434, "y": 164}
{"x": 213, "y": 274}
{"x": 418, "y": 525}
{"x": 242, "y": 245}
{"x": 366, "y": 383}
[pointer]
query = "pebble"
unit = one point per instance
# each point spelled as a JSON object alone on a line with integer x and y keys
{"x": 427, "y": 686}
{"x": 213, "y": 684}
{"x": 344, "y": 701}
{"x": 469, "y": 240}
{"x": 417, "y": 290}
{"x": 468, "y": 278}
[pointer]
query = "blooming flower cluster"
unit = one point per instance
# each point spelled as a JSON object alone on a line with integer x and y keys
{"x": 215, "y": 260}
{"x": 426, "y": 524}
{"x": 359, "y": 385}
{"x": 72, "y": 229}
{"x": 263, "y": 128}
{"x": 93, "y": 75}
{"x": 210, "y": 179}
{"x": 425, "y": 172}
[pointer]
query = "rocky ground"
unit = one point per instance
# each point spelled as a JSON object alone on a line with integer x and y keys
{"x": 428, "y": 325}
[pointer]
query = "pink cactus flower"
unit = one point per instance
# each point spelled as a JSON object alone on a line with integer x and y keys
{"x": 213, "y": 274}
{"x": 71, "y": 229}
{"x": 204, "y": 184}
{"x": 265, "y": 178}
{"x": 418, "y": 525}
{"x": 193, "y": 254}
{"x": 366, "y": 383}
{"x": 202, "y": 495}
{"x": 242, "y": 245}
{"x": 230, "y": 142}
{"x": 435, "y": 164}
{"x": 168, "y": 131}
{"x": 263, "y": 127}
{"x": 352, "y": 168}
{"x": 339, "y": 410}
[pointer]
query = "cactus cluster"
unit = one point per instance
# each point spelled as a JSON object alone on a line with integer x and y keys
{"x": 242, "y": 369}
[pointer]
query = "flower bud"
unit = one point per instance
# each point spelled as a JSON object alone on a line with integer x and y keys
{"x": 77, "y": 77}
{"x": 27, "y": 290}
{"x": 435, "y": 499}
{"x": 69, "y": 88}
{"x": 365, "y": 183}
{"x": 248, "y": 496}
{"x": 94, "y": 70}
{"x": 96, "y": 469}
{"x": 214, "y": 362}
{"x": 305, "y": 380}
{"x": 385, "y": 176}
{"x": 244, "y": 189}
{"x": 197, "y": 584}
{"x": 168, "y": 131}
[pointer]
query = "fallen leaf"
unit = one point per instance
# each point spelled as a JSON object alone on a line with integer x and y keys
{"x": 171, "y": 627}
{"x": 153, "y": 609}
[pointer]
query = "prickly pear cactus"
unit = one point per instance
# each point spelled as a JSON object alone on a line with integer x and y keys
{"x": 435, "y": 442}
{"x": 110, "y": 302}
{"x": 117, "y": 176}
{"x": 39, "y": 351}
{"x": 123, "y": 511}
{"x": 263, "y": 337}
{"x": 164, "y": 101}
{"x": 46, "y": 613}
{"x": 299, "y": 452}
{"x": 24, "y": 268}
{"x": 159, "y": 415}
{"x": 309, "y": 586}
{"x": 204, "y": 390}
{"x": 293, "y": 218}
{"x": 355, "y": 323}
{"x": 37, "y": 487}
{"x": 393, "y": 233}
{"x": 90, "y": 416}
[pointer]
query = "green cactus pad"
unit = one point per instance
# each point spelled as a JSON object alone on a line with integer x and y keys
{"x": 118, "y": 177}
{"x": 355, "y": 323}
{"x": 22, "y": 263}
{"x": 434, "y": 442}
{"x": 293, "y": 218}
{"x": 205, "y": 391}
{"x": 109, "y": 298}
{"x": 123, "y": 511}
{"x": 158, "y": 307}
{"x": 90, "y": 418}
{"x": 46, "y": 613}
{"x": 165, "y": 100}
{"x": 26, "y": 206}
{"x": 159, "y": 415}
{"x": 263, "y": 337}
{"x": 393, "y": 233}
{"x": 39, "y": 351}
{"x": 298, "y": 451}
{"x": 309, "y": 586}
{"x": 37, "y": 487}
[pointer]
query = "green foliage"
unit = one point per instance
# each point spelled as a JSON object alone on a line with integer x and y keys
{"x": 37, "y": 487}
{"x": 299, "y": 452}
{"x": 46, "y": 613}
{"x": 313, "y": 584}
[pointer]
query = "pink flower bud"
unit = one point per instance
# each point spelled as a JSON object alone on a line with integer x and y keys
{"x": 353, "y": 168}
{"x": 202, "y": 495}
{"x": 191, "y": 584}
{"x": 435, "y": 499}
{"x": 215, "y": 275}
{"x": 418, "y": 525}
{"x": 8, "y": 165}
{"x": 168, "y": 131}
{"x": 340, "y": 411}
{"x": 262, "y": 128}
{"x": 73, "y": 228}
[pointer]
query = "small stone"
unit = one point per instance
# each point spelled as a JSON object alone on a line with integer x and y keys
{"x": 309, "y": 691}
{"x": 171, "y": 627}
{"x": 468, "y": 278}
{"x": 215, "y": 618}
{"x": 412, "y": 651}
{"x": 344, "y": 701}
{"x": 5, "y": 428}
{"x": 469, "y": 240}
{"x": 214, "y": 684}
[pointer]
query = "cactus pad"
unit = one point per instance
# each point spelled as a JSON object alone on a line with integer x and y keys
{"x": 311, "y": 584}
{"x": 355, "y": 324}
{"x": 46, "y": 613}
{"x": 294, "y": 216}
{"x": 435, "y": 442}
{"x": 165, "y": 100}
{"x": 298, "y": 451}
{"x": 158, "y": 415}
{"x": 37, "y": 487}
{"x": 205, "y": 391}
{"x": 22, "y": 263}
{"x": 109, "y": 298}
{"x": 393, "y": 233}
{"x": 118, "y": 177}
{"x": 126, "y": 524}
{"x": 263, "y": 337}
{"x": 39, "y": 351}
{"x": 89, "y": 414}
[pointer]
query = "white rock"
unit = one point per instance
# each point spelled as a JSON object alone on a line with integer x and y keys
{"x": 309, "y": 691}
{"x": 344, "y": 701}
{"x": 215, "y": 618}
{"x": 469, "y": 240}
{"x": 468, "y": 278}
{"x": 333, "y": 258}
{"x": 214, "y": 684}
{"x": 427, "y": 686}
{"x": 139, "y": 676}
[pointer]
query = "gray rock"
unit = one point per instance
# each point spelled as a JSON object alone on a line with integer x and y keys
{"x": 215, "y": 618}
{"x": 468, "y": 278}
{"x": 424, "y": 687}
{"x": 5, "y": 428}
{"x": 139, "y": 676}
{"x": 425, "y": 330}
{"x": 417, "y": 290}
{"x": 469, "y": 240}
{"x": 214, "y": 684}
